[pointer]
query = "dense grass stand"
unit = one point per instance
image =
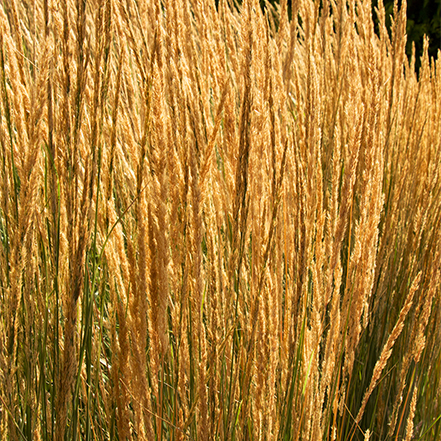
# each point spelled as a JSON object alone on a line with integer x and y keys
{"x": 217, "y": 223}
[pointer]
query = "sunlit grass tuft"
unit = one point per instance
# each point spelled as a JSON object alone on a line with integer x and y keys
{"x": 217, "y": 223}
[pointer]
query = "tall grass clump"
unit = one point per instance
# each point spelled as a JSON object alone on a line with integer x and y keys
{"x": 217, "y": 222}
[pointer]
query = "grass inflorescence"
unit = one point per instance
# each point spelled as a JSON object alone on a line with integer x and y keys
{"x": 217, "y": 222}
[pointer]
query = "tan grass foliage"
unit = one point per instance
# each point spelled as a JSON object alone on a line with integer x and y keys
{"x": 217, "y": 222}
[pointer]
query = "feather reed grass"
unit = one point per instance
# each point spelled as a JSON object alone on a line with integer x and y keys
{"x": 217, "y": 222}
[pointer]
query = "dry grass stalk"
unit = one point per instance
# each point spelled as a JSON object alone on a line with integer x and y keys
{"x": 211, "y": 224}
